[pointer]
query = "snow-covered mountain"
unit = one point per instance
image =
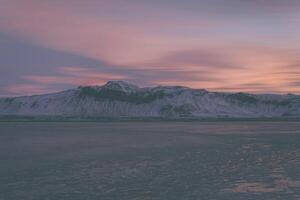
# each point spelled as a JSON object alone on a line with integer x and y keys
{"x": 121, "y": 99}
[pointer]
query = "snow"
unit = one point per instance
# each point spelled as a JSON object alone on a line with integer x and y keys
{"x": 121, "y": 85}
{"x": 133, "y": 101}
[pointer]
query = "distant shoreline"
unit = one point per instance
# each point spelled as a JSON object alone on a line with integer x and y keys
{"x": 141, "y": 119}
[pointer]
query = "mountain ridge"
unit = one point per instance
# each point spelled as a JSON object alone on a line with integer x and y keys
{"x": 123, "y": 99}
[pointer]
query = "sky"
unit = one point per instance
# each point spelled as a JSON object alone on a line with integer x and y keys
{"x": 219, "y": 45}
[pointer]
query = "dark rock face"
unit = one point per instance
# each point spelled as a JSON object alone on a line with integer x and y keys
{"x": 122, "y": 99}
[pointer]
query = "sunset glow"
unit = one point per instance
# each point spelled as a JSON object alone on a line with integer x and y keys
{"x": 233, "y": 45}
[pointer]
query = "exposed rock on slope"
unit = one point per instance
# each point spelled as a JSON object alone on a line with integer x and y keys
{"x": 121, "y": 99}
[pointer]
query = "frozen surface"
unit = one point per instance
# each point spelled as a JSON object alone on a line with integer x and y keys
{"x": 139, "y": 160}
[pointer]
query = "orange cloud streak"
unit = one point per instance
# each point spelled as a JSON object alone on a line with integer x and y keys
{"x": 74, "y": 76}
{"x": 134, "y": 45}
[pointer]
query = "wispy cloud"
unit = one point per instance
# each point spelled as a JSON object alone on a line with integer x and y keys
{"x": 233, "y": 45}
{"x": 27, "y": 89}
{"x": 74, "y": 76}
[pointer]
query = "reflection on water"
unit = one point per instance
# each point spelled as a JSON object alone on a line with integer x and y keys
{"x": 280, "y": 185}
{"x": 162, "y": 160}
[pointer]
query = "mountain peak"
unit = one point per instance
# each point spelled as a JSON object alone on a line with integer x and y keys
{"x": 120, "y": 98}
{"x": 121, "y": 86}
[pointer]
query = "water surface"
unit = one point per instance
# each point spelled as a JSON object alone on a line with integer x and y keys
{"x": 149, "y": 160}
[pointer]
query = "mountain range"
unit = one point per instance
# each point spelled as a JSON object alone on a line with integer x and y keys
{"x": 123, "y": 99}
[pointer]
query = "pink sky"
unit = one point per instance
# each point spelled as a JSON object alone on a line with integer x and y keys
{"x": 238, "y": 46}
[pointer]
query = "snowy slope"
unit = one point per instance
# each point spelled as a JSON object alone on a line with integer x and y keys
{"x": 121, "y": 99}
